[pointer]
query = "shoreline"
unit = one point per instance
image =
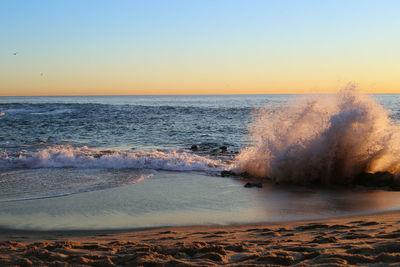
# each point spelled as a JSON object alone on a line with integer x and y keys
{"x": 360, "y": 239}
{"x": 79, "y": 232}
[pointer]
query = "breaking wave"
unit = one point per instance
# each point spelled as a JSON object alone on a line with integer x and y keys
{"x": 60, "y": 156}
{"x": 327, "y": 139}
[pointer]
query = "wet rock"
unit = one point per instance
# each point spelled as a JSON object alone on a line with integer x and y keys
{"x": 395, "y": 185}
{"x": 245, "y": 175}
{"x": 194, "y": 148}
{"x": 228, "y": 173}
{"x": 249, "y": 185}
{"x": 377, "y": 179}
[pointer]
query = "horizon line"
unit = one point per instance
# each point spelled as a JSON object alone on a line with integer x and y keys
{"x": 319, "y": 93}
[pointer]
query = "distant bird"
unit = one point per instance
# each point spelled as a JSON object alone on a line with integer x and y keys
{"x": 15, "y": 53}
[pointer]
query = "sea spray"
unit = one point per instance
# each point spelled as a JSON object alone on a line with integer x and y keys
{"x": 327, "y": 139}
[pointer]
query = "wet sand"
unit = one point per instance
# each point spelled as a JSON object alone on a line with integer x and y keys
{"x": 362, "y": 240}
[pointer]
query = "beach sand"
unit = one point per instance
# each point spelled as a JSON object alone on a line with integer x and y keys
{"x": 362, "y": 240}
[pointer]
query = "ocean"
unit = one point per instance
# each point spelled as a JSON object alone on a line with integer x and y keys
{"x": 116, "y": 162}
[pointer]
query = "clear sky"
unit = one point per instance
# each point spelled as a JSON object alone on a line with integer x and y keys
{"x": 77, "y": 47}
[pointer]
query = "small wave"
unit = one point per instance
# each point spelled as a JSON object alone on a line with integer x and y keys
{"x": 53, "y": 112}
{"x": 322, "y": 139}
{"x": 41, "y": 197}
{"x": 61, "y": 156}
{"x": 78, "y": 191}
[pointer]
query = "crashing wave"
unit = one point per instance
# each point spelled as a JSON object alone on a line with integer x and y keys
{"x": 327, "y": 139}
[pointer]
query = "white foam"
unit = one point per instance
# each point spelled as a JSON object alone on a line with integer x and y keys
{"x": 53, "y": 112}
{"x": 326, "y": 139}
{"x": 84, "y": 157}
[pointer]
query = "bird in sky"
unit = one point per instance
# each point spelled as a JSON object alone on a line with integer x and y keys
{"x": 15, "y": 53}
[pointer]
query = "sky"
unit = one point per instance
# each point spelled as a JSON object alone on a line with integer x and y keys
{"x": 114, "y": 47}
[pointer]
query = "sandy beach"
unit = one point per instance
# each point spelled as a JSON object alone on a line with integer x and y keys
{"x": 363, "y": 240}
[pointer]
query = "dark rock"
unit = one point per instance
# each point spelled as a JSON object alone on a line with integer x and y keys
{"x": 223, "y": 148}
{"x": 245, "y": 175}
{"x": 395, "y": 185}
{"x": 374, "y": 179}
{"x": 228, "y": 173}
{"x": 194, "y": 148}
{"x": 249, "y": 185}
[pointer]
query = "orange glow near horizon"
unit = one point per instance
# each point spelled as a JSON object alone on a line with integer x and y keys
{"x": 181, "y": 92}
{"x": 70, "y": 90}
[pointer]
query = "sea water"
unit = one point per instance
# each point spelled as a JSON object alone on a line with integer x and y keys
{"x": 102, "y": 162}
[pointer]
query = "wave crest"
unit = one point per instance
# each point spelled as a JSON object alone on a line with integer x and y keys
{"x": 322, "y": 139}
{"x": 84, "y": 157}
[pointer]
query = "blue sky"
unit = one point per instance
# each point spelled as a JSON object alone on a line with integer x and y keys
{"x": 129, "y": 47}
